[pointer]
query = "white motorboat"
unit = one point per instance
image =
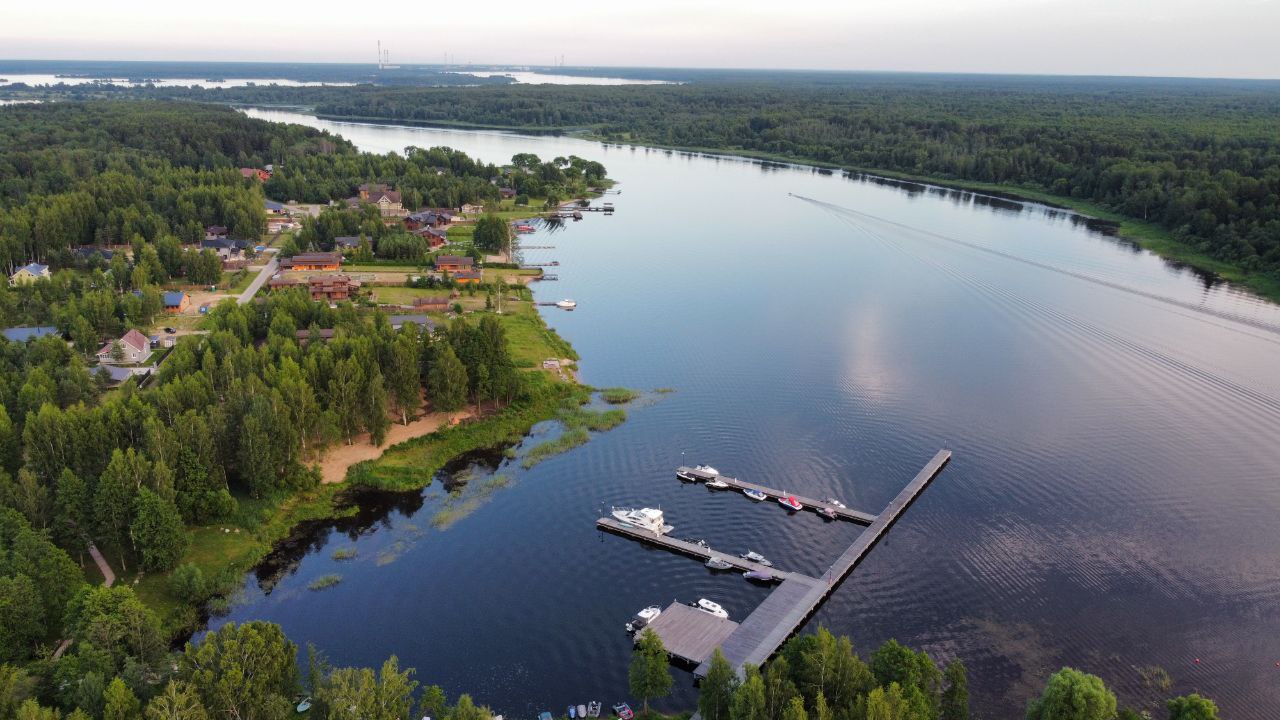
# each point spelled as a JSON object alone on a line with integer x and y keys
{"x": 756, "y": 495}
{"x": 644, "y": 518}
{"x": 566, "y": 304}
{"x": 836, "y": 503}
{"x": 712, "y": 608}
{"x": 717, "y": 484}
{"x": 708, "y": 469}
{"x": 756, "y": 558}
{"x": 643, "y": 618}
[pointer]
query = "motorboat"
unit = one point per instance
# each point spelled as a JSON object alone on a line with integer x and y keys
{"x": 717, "y": 484}
{"x": 582, "y": 710}
{"x": 687, "y": 476}
{"x": 790, "y": 502}
{"x": 711, "y": 608}
{"x": 759, "y": 576}
{"x": 573, "y": 712}
{"x": 593, "y": 709}
{"x": 644, "y": 518}
{"x": 708, "y": 469}
{"x": 718, "y": 564}
{"x": 828, "y": 513}
{"x": 836, "y": 503}
{"x": 566, "y": 304}
{"x": 756, "y": 495}
{"x": 756, "y": 558}
{"x": 624, "y": 711}
{"x": 304, "y": 705}
{"x": 643, "y": 618}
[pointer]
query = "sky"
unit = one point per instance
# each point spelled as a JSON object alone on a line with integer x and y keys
{"x": 1199, "y": 38}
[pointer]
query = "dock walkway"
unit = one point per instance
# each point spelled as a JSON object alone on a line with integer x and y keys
{"x": 699, "y": 551}
{"x": 808, "y": 502}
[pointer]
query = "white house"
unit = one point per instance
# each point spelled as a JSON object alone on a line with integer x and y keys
{"x": 28, "y": 274}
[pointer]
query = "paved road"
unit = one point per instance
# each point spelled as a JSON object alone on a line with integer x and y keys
{"x": 267, "y": 271}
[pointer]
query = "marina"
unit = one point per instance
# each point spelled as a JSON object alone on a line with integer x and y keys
{"x": 837, "y": 511}
{"x": 692, "y": 636}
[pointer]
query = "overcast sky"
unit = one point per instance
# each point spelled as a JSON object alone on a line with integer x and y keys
{"x": 1225, "y": 38}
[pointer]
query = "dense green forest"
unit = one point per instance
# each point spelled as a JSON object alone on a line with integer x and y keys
{"x": 1199, "y": 159}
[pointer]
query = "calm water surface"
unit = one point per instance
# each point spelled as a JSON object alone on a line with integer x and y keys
{"x": 1113, "y": 501}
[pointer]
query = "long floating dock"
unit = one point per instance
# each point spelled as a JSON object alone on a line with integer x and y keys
{"x": 685, "y": 547}
{"x": 808, "y": 502}
{"x": 785, "y": 610}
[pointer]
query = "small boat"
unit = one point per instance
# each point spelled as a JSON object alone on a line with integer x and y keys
{"x": 836, "y": 503}
{"x": 828, "y": 513}
{"x": 696, "y": 541}
{"x": 687, "y": 476}
{"x": 711, "y": 608}
{"x": 643, "y": 618}
{"x": 759, "y": 576}
{"x": 756, "y": 558}
{"x": 717, "y": 484}
{"x": 566, "y": 304}
{"x": 593, "y": 709}
{"x": 573, "y": 712}
{"x": 718, "y": 564}
{"x": 544, "y": 715}
{"x": 624, "y": 711}
{"x": 708, "y": 469}
{"x": 582, "y": 711}
{"x": 756, "y": 495}
{"x": 644, "y": 518}
{"x": 790, "y": 502}
{"x": 304, "y": 705}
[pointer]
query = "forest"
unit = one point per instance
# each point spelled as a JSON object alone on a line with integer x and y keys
{"x": 1197, "y": 158}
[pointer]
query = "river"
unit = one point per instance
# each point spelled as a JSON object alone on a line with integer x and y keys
{"x": 1113, "y": 501}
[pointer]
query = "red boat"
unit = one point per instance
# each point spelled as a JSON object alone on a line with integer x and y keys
{"x": 790, "y": 502}
{"x": 624, "y": 711}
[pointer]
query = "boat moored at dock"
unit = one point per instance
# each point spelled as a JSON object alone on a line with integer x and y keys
{"x": 650, "y": 519}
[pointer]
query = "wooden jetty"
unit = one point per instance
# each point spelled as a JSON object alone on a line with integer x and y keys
{"x": 685, "y": 547}
{"x": 689, "y": 634}
{"x": 759, "y": 636}
{"x": 808, "y": 502}
{"x": 791, "y": 603}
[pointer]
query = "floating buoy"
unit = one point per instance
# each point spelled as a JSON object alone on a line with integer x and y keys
{"x": 1197, "y": 661}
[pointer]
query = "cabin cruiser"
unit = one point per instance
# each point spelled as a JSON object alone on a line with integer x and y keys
{"x": 644, "y": 518}
{"x": 718, "y": 564}
{"x": 717, "y": 484}
{"x": 756, "y": 558}
{"x": 567, "y": 304}
{"x": 790, "y": 502}
{"x": 711, "y": 608}
{"x": 687, "y": 476}
{"x": 756, "y": 495}
{"x": 708, "y": 469}
{"x": 835, "y": 503}
{"x": 643, "y": 618}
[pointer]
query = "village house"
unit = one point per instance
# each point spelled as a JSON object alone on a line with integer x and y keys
{"x": 87, "y": 253}
{"x": 255, "y": 173}
{"x": 225, "y": 247}
{"x": 332, "y": 287}
{"x": 346, "y": 243}
{"x": 434, "y": 303}
{"x": 134, "y": 346}
{"x": 312, "y": 261}
{"x": 506, "y": 193}
{"x": 422, "y": 321}
{"x": 176, "y": 302}
{"x": 467, "y": 277}
{"x": 434, "y": 236}
{"x": 302, "y": 336}
{"x": 28, "y": 274}
{"x": 277, "y": 225}
{"x": 470, "y": 209}
{"x": 434, "y": 217}
{"x": 389, "y": 202}
{"x": 454, "y": 263}
{"x": 274, "y": 208}
{"x": 215, "y": 232}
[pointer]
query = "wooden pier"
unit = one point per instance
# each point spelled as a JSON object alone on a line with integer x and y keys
{"x": 790, "y": 604}
{"x": 773, "y": 493}
{"x": 702, "y": 552}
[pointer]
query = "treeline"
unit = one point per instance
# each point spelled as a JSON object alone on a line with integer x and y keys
{"x": 122, "y": 670}
{"x": 1199, "y": 158}
{"x": 820, "y": 677}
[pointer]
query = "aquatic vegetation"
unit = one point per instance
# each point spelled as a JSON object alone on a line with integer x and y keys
{"x": 324, "y": 581}
{"x": 346, "y": 553}
{"x": 618, "y": 395}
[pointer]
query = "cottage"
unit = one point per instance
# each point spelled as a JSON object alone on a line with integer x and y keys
{"x": 435, "y": 238}
{"x": 506, "y": 193}
{"x": 470, "y": 209}
{"x": 332, "y": 287}
{"x": 226, "y": 248}
{"x": 344, "y": 243}
{"x": 302, "y": 336}
{"x": 283, "y": 283}
{"x": 274, "y": 208}
{"x": 176, "y": 302}
{"x": 465, "y": 277}
{"x": 23, "y": 334}
{"x": 215, "y": 232}
{"x": 427, "y": 218}
{"x": 277, "y": 225}
{"x": 312, "y": 261}
{"x": 28, "y": 274}
{"x": 255, "y": 174}
{"x": 117, "y": 376}
{"x": 88, "y": 252}
{"x": 454, "y": 263}
{"x": 389, "y": 201}
{"x": 134, "y": 346}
